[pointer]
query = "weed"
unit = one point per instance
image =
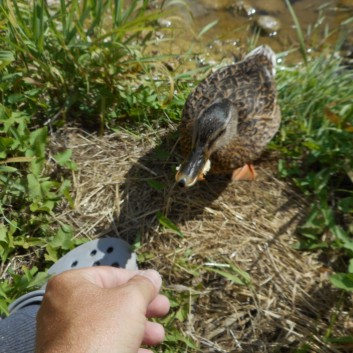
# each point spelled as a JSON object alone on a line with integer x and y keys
{"x": 28, "y": 198}
{"x": 316, "y": 140}
{"x": 84, "y": 62}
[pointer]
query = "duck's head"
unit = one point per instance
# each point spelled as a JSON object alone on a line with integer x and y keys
{"x": 213, "y": 128}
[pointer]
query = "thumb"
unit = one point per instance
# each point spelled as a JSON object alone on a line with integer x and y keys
{"x": 148, "y": 283}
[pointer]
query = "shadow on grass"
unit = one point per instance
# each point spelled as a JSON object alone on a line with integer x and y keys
{"x": 149, "y": 189}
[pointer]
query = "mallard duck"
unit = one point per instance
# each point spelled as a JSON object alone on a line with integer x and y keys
{"x": 229, "y": 119}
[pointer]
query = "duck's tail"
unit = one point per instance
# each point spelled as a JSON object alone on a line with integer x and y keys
{"x": 268, "y": 53}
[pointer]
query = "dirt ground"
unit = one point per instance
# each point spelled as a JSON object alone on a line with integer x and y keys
{"x": 245, "y": 225}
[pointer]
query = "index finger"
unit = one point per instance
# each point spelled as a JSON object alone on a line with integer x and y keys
{"x": 103, "y": 276}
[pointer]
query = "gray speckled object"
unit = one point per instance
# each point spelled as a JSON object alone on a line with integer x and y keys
{"x": 99, "y": 252}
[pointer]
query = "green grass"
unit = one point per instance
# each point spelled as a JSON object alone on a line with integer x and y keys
{"x": 316, "y": 141}
{"x": 83, "y": 62}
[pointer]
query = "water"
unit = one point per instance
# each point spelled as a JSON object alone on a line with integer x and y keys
{"x": 324, "y": 23}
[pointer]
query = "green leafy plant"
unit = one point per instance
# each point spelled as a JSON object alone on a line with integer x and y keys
{"x": 29, "y": 280}
{"x": 317, "y": 139}
{"x": 28, "y": 196}
{"x": 176, "y": 340}
{"x": 84, "y": 60}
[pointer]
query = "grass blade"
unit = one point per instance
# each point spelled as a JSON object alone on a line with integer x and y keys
{"x": 299, "y": 32}
{"x": 38, "y": 24}
{"x": 207, "y": 28}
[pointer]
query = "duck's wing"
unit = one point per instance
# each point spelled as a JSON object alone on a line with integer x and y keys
{"x": 249, "y": 85}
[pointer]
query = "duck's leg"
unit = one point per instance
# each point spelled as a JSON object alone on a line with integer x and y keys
{"x": 247, "y": 172}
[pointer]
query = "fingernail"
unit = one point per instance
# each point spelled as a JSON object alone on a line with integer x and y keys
{"x": 153, "y": 276}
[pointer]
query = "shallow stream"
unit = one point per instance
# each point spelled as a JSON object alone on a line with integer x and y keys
{"x": 241, "y": 23}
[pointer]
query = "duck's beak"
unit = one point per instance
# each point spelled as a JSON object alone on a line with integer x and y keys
{"x": 192, "y": 169}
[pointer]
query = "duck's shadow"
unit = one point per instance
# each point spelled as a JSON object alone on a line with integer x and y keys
{"x": 149, "y": 191}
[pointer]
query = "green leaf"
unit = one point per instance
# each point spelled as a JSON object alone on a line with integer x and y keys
{"x": 176, "y": 337}
{"x": 46, "y": 206}
{"x": 65, "y": 189}
{"x": 167, "y": 223}
{"x": 3, "y": 232}
{"x": 39, "y": 279}
{"x": 6, "y": 240}
{"x": 33, "y": 92}
{"x": 6, "y": 56}
{"x": 239, "y": 277}
{"x": 15, "y": 98}
{"x": 7, "y": 169}
{"x": 51, "y": 255}
{"x": 5, "y": 142}
{"x": 2, "y": 293}
{"x": 27, "y": 242}
{"x": 34, "y": 189}
{"x": 4, "y": 307}
{"x": 311, "y": 144}
{"x": 309, "y": 244}
{"x": 346, "y": 205}
{"x": 154, "y": 184}
{"x": 38, "y": 141}
{"x": 64, "y": 159}
{"x": 350, "y": 267}
{"x": 343, "y": 281}
{"x": 314, "y": 225}
{"x": 340, "y": 340}
{"x": 48, "y": 187}
{"x": 63, "y": 239}
{"x": 342, "y": 235}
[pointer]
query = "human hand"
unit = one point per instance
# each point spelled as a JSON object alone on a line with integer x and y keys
{"x": 100, "y": 310}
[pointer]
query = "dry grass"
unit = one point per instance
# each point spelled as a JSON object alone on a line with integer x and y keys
{"x": 250, "y": 225}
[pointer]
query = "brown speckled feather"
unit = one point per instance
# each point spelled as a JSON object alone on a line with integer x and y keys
{"x": 250, "y": 86}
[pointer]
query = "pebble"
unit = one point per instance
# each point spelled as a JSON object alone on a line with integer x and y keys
{"x": 268, "y": 24}
{"x": 244, "y": 8}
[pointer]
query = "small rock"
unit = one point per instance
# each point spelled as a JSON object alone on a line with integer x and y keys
{"x": 244, "y": 8}
{"x": 269, "y": 25}
{"x": 164, "y": 23}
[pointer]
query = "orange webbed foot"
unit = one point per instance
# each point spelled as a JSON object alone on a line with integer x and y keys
{"x": 247, "y": 172}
